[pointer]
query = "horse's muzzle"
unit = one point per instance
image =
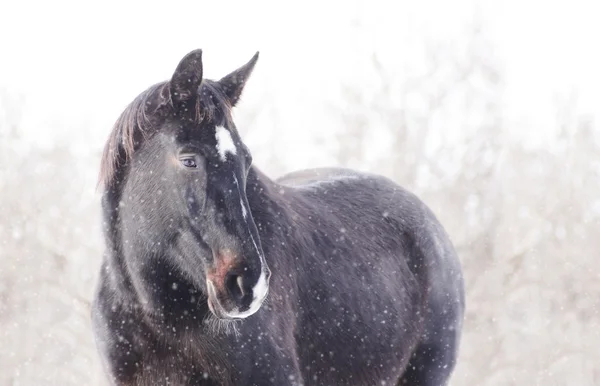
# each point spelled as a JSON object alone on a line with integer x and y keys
{"x": 235, "y": 290}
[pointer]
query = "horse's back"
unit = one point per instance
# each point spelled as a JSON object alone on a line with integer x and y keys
{"x": 316, "y": 176}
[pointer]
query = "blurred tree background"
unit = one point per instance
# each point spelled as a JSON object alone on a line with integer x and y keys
{"x": 518, "y": 193}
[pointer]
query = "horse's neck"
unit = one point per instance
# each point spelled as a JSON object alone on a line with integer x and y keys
{"x": 263, "y": 197}
{"x": 273, "y": 215}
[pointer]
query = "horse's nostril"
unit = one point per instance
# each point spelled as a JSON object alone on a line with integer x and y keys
{"x": 235, "y": 285}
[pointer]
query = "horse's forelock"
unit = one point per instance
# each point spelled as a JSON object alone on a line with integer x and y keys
{"x": 137, "y": 120}
{"x": 120, "y": 145}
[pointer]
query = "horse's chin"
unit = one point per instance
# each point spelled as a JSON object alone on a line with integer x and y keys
{"x": 219, "y": 312}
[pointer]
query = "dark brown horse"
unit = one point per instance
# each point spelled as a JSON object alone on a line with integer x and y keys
{"x": 215, "y": 274}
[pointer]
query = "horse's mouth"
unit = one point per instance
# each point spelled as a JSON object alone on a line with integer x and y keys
{"x": 217, "y": 310}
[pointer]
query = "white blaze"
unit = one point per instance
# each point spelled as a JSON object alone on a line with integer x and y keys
{"x": 261, "y": 288}
{"x": 244, "y": 211}
{"x": 224, "y": 142}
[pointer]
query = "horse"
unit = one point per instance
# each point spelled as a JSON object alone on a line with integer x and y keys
{"x": 215, "y": 274}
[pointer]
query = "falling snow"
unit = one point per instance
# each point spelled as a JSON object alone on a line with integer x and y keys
{"x": 492, "y": 122}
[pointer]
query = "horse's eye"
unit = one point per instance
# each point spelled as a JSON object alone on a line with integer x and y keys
{"x": 189, "y": 162}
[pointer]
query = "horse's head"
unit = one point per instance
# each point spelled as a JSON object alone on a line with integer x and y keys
{"x": 182, "y": 168}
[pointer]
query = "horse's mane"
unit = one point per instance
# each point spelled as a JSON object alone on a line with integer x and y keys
{"x": 143, "y": 116}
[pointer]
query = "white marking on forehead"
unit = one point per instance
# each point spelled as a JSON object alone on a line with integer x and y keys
{"x": 224, "y": 142}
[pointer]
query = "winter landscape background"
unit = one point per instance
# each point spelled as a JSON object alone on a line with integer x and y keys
{"x": 488, "y": 110}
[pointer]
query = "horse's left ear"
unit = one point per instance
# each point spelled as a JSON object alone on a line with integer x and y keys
{"x": 187, "y": 78}
{"x": 233, "y": 84}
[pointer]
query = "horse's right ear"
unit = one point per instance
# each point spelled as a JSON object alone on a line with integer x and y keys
{"x": 187, "y": 78}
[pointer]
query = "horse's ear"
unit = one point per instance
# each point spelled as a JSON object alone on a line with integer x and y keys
{"x": 233, "y": 84}
{"x": 187, "y": 78}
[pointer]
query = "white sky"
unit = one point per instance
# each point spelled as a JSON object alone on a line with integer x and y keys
{"x": 77, "y": 64}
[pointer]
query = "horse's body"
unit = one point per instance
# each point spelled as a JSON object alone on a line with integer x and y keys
{"x": 365, "y": 287}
